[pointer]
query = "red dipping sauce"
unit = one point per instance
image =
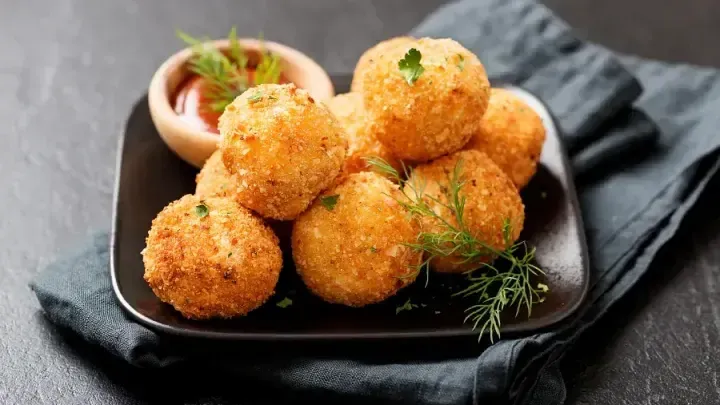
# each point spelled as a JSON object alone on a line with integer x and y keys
{"x": 194, "y": 108}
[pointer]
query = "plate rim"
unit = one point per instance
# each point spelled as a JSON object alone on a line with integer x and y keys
{"x": 460, "y": 331}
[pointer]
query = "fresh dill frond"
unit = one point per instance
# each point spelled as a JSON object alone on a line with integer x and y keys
{"x": 494, "y": 288}
{"x": 384, "y": 168}
{"x": 269, "y": 69}
{"x": 226, "y": 76}
{"x": 236, "y": 51}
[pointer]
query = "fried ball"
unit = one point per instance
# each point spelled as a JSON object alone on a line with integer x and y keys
{"x": 362, "y": 143}
{"x": 435, "y": 115}
{"x": 491, "y": 199}
{"x": 211, "y": 258}
{"x": 368, "y": 58}
{"x": 512, "y": 134}
{"x": 215, "y": 181}
{"x": 282, "y": 147}
{"x": 349, "y": 247}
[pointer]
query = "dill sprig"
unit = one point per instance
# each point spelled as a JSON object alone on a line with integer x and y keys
{"x": 495, "y": 288}
{"x": 226, "y": 75}
{"x": 269, "y": 69}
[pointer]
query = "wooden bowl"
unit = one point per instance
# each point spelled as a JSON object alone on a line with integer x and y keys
{"x": 194, "y": 145}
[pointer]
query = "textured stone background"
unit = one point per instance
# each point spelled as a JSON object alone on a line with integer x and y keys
{"x": 70, "y": 70}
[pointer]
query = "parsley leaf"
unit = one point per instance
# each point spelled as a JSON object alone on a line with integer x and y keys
{"x": 329, "y": 201}
{"x": 286, "y": 302}
{"x": 229, "y": 254}
{"x": 461, "y": 62}
{"x": 201, "y": 210}
{"x": 255, "y": 97}
{"x": 410, "y": 66}
{"x": 373, "y": 249}
{"x": 407, "y": 306}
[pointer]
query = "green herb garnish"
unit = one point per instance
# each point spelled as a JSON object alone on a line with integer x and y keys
{"x": 410, "y": 66}
{"x": 407, "y": 306}
{"x": 494, "y": 288}
{"x": 373, "y": 249}
{"x": 227, "y": 75}
{"x": 255, "y": 97}
{"x": 329, "y": 201}
{"x": 268, "y": 70}
{"x": 229, "y": 254}
{"x": 202, "y": 210}
{"x": 461, "y": 62}
{"x": 286, "y": 302}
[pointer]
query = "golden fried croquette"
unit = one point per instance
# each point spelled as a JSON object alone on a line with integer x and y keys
{"x": 435, "y": 115}
{"x": 353, "y": 252}
{"x": 282, "y": 147}
{"x": 362, "y": 143}
{"x": 214, "y": 180}
{"x": 368, "y": 58}
{"x": 211, "y": 258}
{"x": 491, "y": 199}
{"x": 512, "y": 134}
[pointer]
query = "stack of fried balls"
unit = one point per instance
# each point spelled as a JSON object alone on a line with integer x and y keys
{"x": 285, "y": 158}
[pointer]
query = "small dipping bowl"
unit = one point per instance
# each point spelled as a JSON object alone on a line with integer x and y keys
{"x": 194, "y": 145}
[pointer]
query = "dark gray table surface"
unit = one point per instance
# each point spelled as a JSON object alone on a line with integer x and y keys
{"x": 70, "y": 70}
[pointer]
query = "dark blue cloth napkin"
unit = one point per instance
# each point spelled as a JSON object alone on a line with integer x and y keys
{"x": 643, "y": 134}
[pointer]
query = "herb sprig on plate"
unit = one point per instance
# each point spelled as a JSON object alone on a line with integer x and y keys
{"x": 495, "y": 287}
{"x": 227, "y": 75}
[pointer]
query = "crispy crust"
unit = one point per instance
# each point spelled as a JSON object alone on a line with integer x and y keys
{"x": 491, "y": 198}
{"x": 368, "y": 58}
{"x": 214, "y": 180}
{"x": 437, "y": 114}
{"x": 219, "y": 266}
{"x": 354, "y": 254}
{"x": 512, "y": 134}
{"x": 362, "y": 143}
{"x": 282, "y": 147}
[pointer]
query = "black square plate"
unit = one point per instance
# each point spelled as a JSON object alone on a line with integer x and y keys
{"x": 149, "y": 176}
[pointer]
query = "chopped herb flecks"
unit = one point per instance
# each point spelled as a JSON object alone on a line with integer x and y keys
{"x": 202, "y": 210}
{"x": 329, "y": 201}
{"x": 407, "y": 306}
{"x": 286, "y": 302}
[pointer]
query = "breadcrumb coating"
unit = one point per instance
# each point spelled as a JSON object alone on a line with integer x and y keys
{"x": 354, "y": 254}
{"x": 214, "y": 180}
{"x": 512, "y": 134}
{"x": 439, "y": 112}
{"x": 362, "y": 143}
{"x": 220, "y": 265}
{"x": 368, "y": 58}
{"x": 282, "y": 147}
{"x": 491, "y": 199}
